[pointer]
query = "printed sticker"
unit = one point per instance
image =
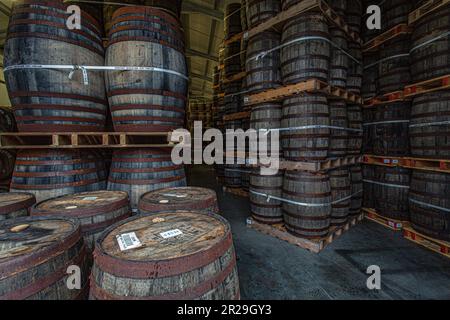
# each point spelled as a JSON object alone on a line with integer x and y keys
{"x": 171, "y": 234}
{"x": 128, "y": 241}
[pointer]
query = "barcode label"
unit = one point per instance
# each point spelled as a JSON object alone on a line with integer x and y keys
{"x": 90, "y": 199}
{"x": 128, "y": 241}
{"x": 171, "y": 234}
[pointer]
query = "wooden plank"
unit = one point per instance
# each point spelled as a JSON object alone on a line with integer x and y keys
{"x": 395, "y": 225}
{"x": 432, "y": 85}
{"x": 392, "y": 97}
{"x": 424, "y": 164}
{"x": 393, "y": 33}
{"x": 236, "y": 77}
{"x": 235, "y": 38}
{"x": 237, "y": 116}
{"x": 439, "y": 246}
{"x": 427, "y": 8}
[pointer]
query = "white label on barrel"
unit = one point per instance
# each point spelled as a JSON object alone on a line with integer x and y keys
{"x": 171, "y": 234}
{"x": 164, "y": 201}
{"x": 71, "y": 207}
{"x": 175, "y": 195}
{"x": 128, "y": 241}
{"x": 89, "y": 199}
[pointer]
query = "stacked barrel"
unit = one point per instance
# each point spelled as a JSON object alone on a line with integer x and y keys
{"x": 7, "y": 158}
{"x": 200, "y": 111}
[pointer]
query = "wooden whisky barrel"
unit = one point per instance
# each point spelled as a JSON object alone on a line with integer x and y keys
{"x": 396, "y": 12}
{"x": 341, "y": 191}
{"x": 353, "y": 15}
{"x": 150, "y": 101}
{"x": 263, "y": 71}
{"x": 339, "y": 62}
{"x": 186, "y": 198}
{"x": 233, "y": 175}
{"x": 370, "y": 130}
{"x": 357, "y": 190}
{"x": 232, "y": 61}
{"x": 307, "y": 59}
{"x": 309, "y": 144}
{"x": 391, "y": 191}
{"x": 47, "y": 100}
{"x": 7, "y": 160}
{"x": 35, "y": 254}
{"x": 7, "y": 120}
{"x": 264, "y": 210}
{"x": 15, "y": 204}
{"x": 355, "y": 71}
{"x": 261, "y": 10}
{"x": 430, "y": 204}
{"x": 369, "y": 186}
{"x": 429, "y": 128}
{"x": 52, "y": 173}
{"x": 232, "y": 24}
{"x": 338, "y": 144}
{"x": 429, "y": 57}
{"x": 182, "y": 255}
{"x": 394, "y": 73}
{"x": 370, "y": 84}
{"x": 96, "y": 211}
{"x": 392, "y": 129}
{"x": 355, "y": 121}
{"x": 232, "y": 99}
{"x": 138, "y": 171}
{"x": 313, "y": 219}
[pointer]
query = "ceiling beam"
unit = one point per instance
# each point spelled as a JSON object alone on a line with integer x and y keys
{"x": 191, "y": 7}
{"x": 195, "y": 53}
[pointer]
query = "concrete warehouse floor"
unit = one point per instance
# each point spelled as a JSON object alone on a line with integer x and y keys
{"x": 273, "y": 269}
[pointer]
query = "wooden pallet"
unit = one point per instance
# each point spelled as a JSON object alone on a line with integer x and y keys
{"x": 439, "y": 246}
{"x": 280, "y": 19}
{"x": 235, "y": 38}
{"x": 436, "y": 84}
{"x": 436, "y": 165}
{"x": 316, "y": 246}
{"x": 427, "y": 8}
{"x": 309, "y": 86}
{"x": 237, "y": 116}
{"x": 236, "y": 77}
{"x": 386, "y": 36}
{"x": 392, "y": 224}
{"x": 236, "y": 191}
{"x": 396, "y": 96}
{"x": 85, "y": 140}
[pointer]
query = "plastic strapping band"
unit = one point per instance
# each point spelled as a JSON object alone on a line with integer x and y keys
{"x": 311, "y": 127}
{"x": 386, "y": 184}
{"x": 429, "y": 205}
{"x": 301, "y": 204}
{"x": 386, "y": 122}
{"x": 442, "y": 123}
{"x": 426, "y": 43}
{"x": 386, "y": 59}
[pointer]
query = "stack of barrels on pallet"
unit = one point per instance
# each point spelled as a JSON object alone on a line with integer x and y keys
{"x": 417, "y": 127}
{"x": 313, "y": 202}
{"x": 94, "y": 232}
{"x": 200, "y": 111}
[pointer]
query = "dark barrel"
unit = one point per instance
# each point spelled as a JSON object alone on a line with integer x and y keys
{"x": 261, "y": 10}
{"x": 263, "y": 67}
{"x": 184, "y": 198}
{"x": 232, "y": 61}
{"x": 430, "y": 128}
{"x": 181, "y": 255}
{"x": 396, "y": 12}
{"x": 357, "y": 190}
{"x": 394, "y": 65}
{"x": 370, "y": 130}
{"x": 310, "y": 144}
{"x": 310, "y": 214}
{"x": 233, "y": 175}
{"x": 263, "y": 209}
{"x": 369, "y": 186}
{"x": 266, "y": 116}
{"x": 146, "y": 100}
{"x": 339, "y": 62}
{"x": 51, "y": 173}
{"x": 244, "y": 10}
{"x": 429, "y": 203}
{"x": 338, "y": 144}
{"x": 15, "y": 204}
{"x": 355, "y": 121}
{"x": 309, "y": 58}
{"x": 353, "y": 15}
{"x": 391, "y": 191}
{"x": 35, "y": 255}
{"x": 341, "y": 191}
{"x": 232, "y": 23}
{"x": 7, "y": 160}
{"x": 429, "y": 54}
{"x": 46, "y": 100}
{"x": 371, "y": 70}
{"x": 96, "y": 211}
{"x": 138, "y": 171}
{"x": 7, "y": 120}
{"x": 392, "y": 129}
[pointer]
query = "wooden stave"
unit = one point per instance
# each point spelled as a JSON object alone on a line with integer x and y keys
{"x": 298, "y": 219}
{"x": 135, "y": 271}
{"x": 68, "y": 251}
{"x": 338, "y": 143}
{"x": 263, "y": 211}
{"x": 430, "y": 188}
{"x": 370, "y": 131}
{"x": 368, "y": 187}
{"x": 67, "y": 106}
{"x": 341, "y": 188}
{"x": 156, "y": 161}
{"x": 67, "y": 171}
{"x": 357, "y": 190}
{"x": 339, "y": 62}
{"x": 355, "y": 121}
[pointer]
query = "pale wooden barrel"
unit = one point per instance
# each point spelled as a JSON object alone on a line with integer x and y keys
{"x": 138, "y": 171}
{"x": 264, "y": 211}
{"x": 391, "y": 191}
{"x": 182, "y": 198}
{"x": 310, "y": 144}
{"x": 308, "y": 59}
{"x": 146, "y": 100}
{"x": 15, "y": 204}
{"x": 341, "y": 191}
{"x": 35, "y": 254}
{"x": 430, "y": 204}
{"x": 46, "y": 100}
{"x": 184, "y": 256}
{"x": 52, "y": 173}
{"x": 308, "y": 221}
{"x": 96, "y": 211}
